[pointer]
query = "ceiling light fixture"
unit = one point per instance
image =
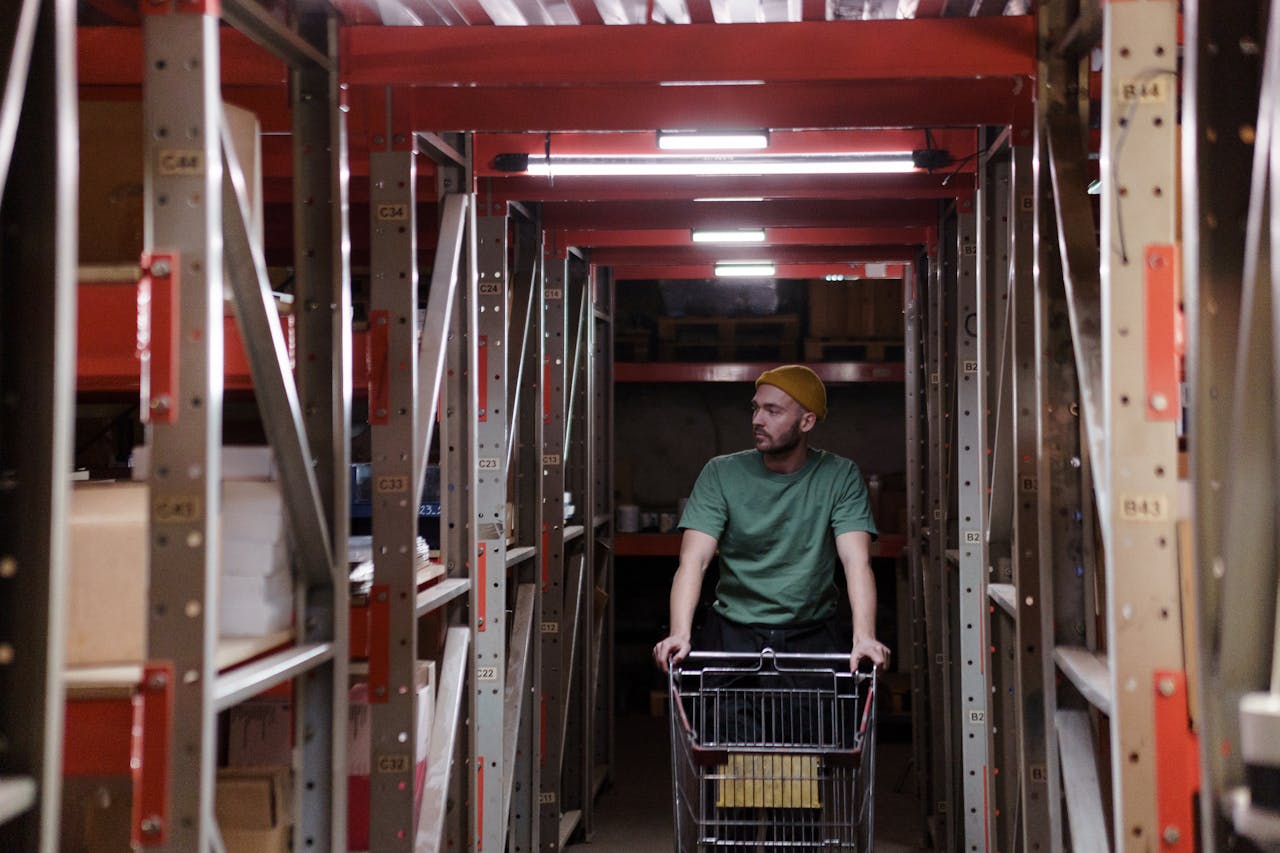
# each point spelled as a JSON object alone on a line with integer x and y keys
{"x": 712, "y": 166}
{"x": 732, "y": 198}
{"x": 751, "y": 269}
{"x": 736, "y": 235}
{"x": 723, "y": 141}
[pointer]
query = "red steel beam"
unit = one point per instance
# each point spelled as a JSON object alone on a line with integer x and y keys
{"x": 702, "y": 272}
{"x": 918, "y": 186}
{"x": 959, "y": 141}
{"x": 597, "y": 239}
{"x": 700, "y": 12}
{"x": 624, "y": 215}
{"x": 112, "y": 56}
{"x": 685, "y": 255}
{"x": 810, "y": 51}
{"x": 875, "y": 103}
{"x": 834, "y": 371}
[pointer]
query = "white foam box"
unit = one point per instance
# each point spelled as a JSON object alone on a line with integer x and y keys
{"x": 239, "y": 462}
{"x": 251, "y": 606}
{"x": 359, "y": 747}
{"x": 252, "y": 512}
{"x": 246, "y": 558}
{"x": 107, "y": 566}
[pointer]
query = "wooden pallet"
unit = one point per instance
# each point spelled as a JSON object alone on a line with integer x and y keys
{"x": 632, "y": 346}
{"x": 853, "y": 349}
{"x": 714, "y": 330}
{"x": 729, "y": 351}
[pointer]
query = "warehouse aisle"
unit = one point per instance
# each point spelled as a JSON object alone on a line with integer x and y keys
{"x": 634, "y": 816}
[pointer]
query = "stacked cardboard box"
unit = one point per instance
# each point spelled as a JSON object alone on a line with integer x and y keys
{"x": 845, "y": 310}
{"x": 252, "y": 809}
{"x": 108, "y": 557}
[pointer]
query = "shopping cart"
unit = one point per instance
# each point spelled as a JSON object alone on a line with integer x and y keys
{"x": 772, "y": 752}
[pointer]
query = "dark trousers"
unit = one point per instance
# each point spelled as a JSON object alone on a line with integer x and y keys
{"x": 739, "y": 719}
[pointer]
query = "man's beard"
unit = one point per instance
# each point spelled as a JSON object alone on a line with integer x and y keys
{"x": 784, "y": 443}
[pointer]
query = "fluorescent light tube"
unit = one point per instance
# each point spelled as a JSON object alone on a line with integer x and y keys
{"x": 733, "y": 141}
{"x": 731, "y": 198}
{"x": 710, "y": 166}
{"x": 755, "y": 269}
{"x": 740, "y": 235}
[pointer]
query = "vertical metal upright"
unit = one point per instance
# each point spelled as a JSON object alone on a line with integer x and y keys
{"x": 1224, "y": 55}
{"x": 915, "y": 386}
{"x": 598, "y": 517}
{"x": 971, "y": 489}
{"x": 551, "y": 526}
{"x": 938, "y": 572}
{"x": 489, "y": 528}
{"x": 322, "y": 292}
{"x": 458, "y": 454}
{"x": 525, "y": 411}
{"x": 1141, "y": 396}
{"x": 994, "y": 276}
{"x": 183, "y": 268}
{"x": 1041, "y": 810}
{"x": 38, "y": 172}
{"x": 579, "y": 618}
{"x": 393, "y": 413}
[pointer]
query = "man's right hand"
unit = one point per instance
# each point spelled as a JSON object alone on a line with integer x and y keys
{"x": 671, "y": 649}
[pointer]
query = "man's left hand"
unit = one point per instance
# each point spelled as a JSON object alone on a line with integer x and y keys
{"x": 869, "y": 649}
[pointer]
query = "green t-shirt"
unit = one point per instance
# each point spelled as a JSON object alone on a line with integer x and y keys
{"x": 776, "y": 533}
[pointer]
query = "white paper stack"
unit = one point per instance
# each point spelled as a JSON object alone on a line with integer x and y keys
{"x": 257, "y": 588}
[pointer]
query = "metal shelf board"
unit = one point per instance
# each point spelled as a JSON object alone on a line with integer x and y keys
{"x": 573, "y": 531}
{"x": 600, "y": 520}
{"x": 1089, "y": 673}
{"x": 1004, "y": 595}
{"x": 435, "y": 597}
{"x": 232, "y": 652}
{"x": 17, "y": 795}
{"x": 515, "y": 556}
{"x": 265, "y": 673}
{"x": 568, "y": 823}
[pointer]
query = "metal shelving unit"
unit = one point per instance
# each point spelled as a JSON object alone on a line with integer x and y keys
{"x": 1072, "y": 647}
{"x": 37, "y": 313}
{"x": 197, "y": 202}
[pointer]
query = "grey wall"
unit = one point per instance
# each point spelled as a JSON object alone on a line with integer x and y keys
{"x": 666, "y": 432}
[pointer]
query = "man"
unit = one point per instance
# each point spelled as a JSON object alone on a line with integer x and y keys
{"x": 781, "y": 515}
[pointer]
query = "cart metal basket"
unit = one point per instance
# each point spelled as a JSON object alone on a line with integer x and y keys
{"x": 772, "y": 752}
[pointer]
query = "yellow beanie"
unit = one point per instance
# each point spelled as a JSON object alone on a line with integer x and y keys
{"x": 801, "y": 383}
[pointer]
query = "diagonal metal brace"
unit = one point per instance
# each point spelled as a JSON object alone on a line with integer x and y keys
{"x": 1081, "y": 273}
{"x": 272, "y": 374}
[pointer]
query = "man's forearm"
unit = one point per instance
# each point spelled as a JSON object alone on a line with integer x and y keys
{"x": 686, "y": 588}
{"x": 862, "y": 601}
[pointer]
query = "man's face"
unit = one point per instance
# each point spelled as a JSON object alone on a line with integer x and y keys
{"x": 775, "y": 420}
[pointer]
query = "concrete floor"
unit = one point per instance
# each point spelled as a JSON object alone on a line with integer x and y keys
{"x": 635, "y": 815}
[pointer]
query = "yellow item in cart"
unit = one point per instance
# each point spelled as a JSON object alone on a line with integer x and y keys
{"x": 768, "y": 780}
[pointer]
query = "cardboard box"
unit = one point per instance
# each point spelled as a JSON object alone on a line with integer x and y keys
{"x": 828, "y": 307}
{"x": 111, "y": 177}
{"x": 252, "y": 809}
{"x": 108, "y": 558}
{"x": 107, "y": 573}
{"x": 260, "y": 732}
{"x": 359, "y": 753}
{"x": 860, "y": 321}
